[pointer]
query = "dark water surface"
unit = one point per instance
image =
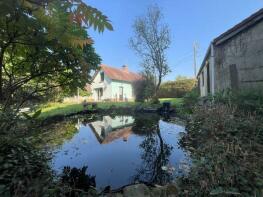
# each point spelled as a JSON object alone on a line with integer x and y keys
{"x": 122, "y": 150}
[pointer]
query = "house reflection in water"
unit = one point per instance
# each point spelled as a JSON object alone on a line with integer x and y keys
{"x": 109, "y": 129}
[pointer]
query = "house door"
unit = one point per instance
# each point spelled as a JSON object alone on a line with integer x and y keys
{"x": 121, "y": 93}
{"x": 99, "y": 93}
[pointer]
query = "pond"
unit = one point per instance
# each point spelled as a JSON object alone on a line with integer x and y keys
{"x": 122, "y": 150}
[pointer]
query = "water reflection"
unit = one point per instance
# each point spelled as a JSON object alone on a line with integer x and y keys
{"x": 109, "y": 129}
{"x": 121, "y": 150}
{"x": 77, "y": 178}
{"x": 155, "y": 153}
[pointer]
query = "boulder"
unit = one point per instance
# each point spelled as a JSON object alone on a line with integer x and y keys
{"x": 136, "y": 191}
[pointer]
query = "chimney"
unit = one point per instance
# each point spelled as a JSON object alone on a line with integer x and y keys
{"x": 125, "y": 68}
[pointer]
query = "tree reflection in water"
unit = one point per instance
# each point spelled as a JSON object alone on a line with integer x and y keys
{"x": 155, "y": 152}
{"x": 77, "y": 179}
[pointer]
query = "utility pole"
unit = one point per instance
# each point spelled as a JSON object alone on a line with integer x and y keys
{"x": 195, "y": 46}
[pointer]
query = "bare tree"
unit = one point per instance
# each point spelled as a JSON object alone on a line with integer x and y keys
{"x": 150, "y": 41}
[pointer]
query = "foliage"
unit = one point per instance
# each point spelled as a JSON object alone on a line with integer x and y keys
{"x": 175, "y": 102}
{"x": 246, "y": 100}
{"x": 24, "y": 170}
{"x": 226, "y": 146}
{"x": 190, "y": 100}
{"x": 176, "y": 89}
{"x": 33, "y": 116}
{"x": 150, "y": 41}
{"x": 78, "y": 180}
{"x": 44, "y": 45}
{"x": 144, "y": 89}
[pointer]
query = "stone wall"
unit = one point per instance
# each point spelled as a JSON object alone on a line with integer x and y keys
{"x": 239, "y": 61}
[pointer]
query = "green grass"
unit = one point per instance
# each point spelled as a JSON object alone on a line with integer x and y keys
{"x": 53, "y": 109}
{"x": 174, "y": 101}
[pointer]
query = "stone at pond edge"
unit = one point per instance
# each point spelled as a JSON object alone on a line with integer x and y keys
{"x": 158, "y": 192}
{"x": 136, "y": 191}
{"x": 171, "y": 190}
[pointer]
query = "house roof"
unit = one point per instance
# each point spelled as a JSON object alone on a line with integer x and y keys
{"x": 240, "y": 27}
{"x": 119, "y": 74}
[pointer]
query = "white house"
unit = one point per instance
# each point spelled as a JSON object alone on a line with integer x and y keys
{"x": 113, "y": 84}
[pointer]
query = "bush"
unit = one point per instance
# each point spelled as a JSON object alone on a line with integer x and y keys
{"x": 226, "y": 148}
{"x": 244, "y": 100}
{"x": 24, "y": 170}
{"x": 176, "y": 89}
{"x": 190, "y": 100}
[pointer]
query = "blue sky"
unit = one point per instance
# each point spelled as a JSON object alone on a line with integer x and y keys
{"x": 189, "y": 20}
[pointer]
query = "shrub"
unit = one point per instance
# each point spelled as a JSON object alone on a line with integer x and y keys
{"x": 190, "y": 100}
{"x": 226, "y": 149}
{"x": 176, "y": 89}
{"x": 246, "y": 100}
{"x": 24, "y": 170}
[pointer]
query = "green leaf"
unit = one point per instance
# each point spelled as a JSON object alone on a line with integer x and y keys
{"x": 36, "y": 114}
{"x": 28, "y": 117}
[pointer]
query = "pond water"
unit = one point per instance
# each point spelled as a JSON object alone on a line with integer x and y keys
{"x": 122, "y": 150}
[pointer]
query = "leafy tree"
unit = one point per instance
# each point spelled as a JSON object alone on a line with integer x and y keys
{"x": 150, "y": 41}
{"x": 144, "y": 89}
{"x": 178, "y": 88}
{"x": 44, "y": 45}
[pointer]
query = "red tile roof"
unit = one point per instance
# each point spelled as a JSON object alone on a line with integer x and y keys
{"x": 120, "y": 74}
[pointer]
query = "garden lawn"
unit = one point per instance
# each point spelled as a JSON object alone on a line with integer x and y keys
{"x": 52, "y": 109}
{"x": 175, "y": 102}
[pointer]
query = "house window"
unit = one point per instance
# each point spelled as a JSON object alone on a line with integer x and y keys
{"x": 102, "y": 76}
{"x": 203, "y": 79}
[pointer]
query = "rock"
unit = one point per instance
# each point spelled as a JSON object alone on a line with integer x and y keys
{"x": 158, "y": 192}
{"x": 112, "y": 195}
{"x": 92, "y": 192}
{"x": 171, "y": 190}
{"x": 139, "y": 190}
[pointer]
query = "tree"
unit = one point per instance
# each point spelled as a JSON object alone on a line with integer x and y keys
{"x": 144, "y": 88}
{"x": 150, "y": 41}
{"x": 178, "y": 88}
{"x": 44, "y": 45}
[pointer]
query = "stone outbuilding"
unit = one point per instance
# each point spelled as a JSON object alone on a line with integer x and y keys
{"x": 234, "y": 60}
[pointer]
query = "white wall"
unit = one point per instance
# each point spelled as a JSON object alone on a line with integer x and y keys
{"x": 203, "y": 83}
{"x": 127, "y": 90}
{"x": 105, "y": 85}
{"x": 111, "y": 88}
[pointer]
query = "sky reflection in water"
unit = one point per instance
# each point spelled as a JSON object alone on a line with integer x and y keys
{"x": 121, "y": 150}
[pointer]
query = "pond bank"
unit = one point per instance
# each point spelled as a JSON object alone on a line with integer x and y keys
{"x": 112, "y": 110}
{"x": 140, "y": 190}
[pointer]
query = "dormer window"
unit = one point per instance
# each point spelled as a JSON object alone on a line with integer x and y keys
{"x": 102, "y": 76}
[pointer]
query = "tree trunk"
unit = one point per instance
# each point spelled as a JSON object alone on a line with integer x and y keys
{"x": 158, "y": 86}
